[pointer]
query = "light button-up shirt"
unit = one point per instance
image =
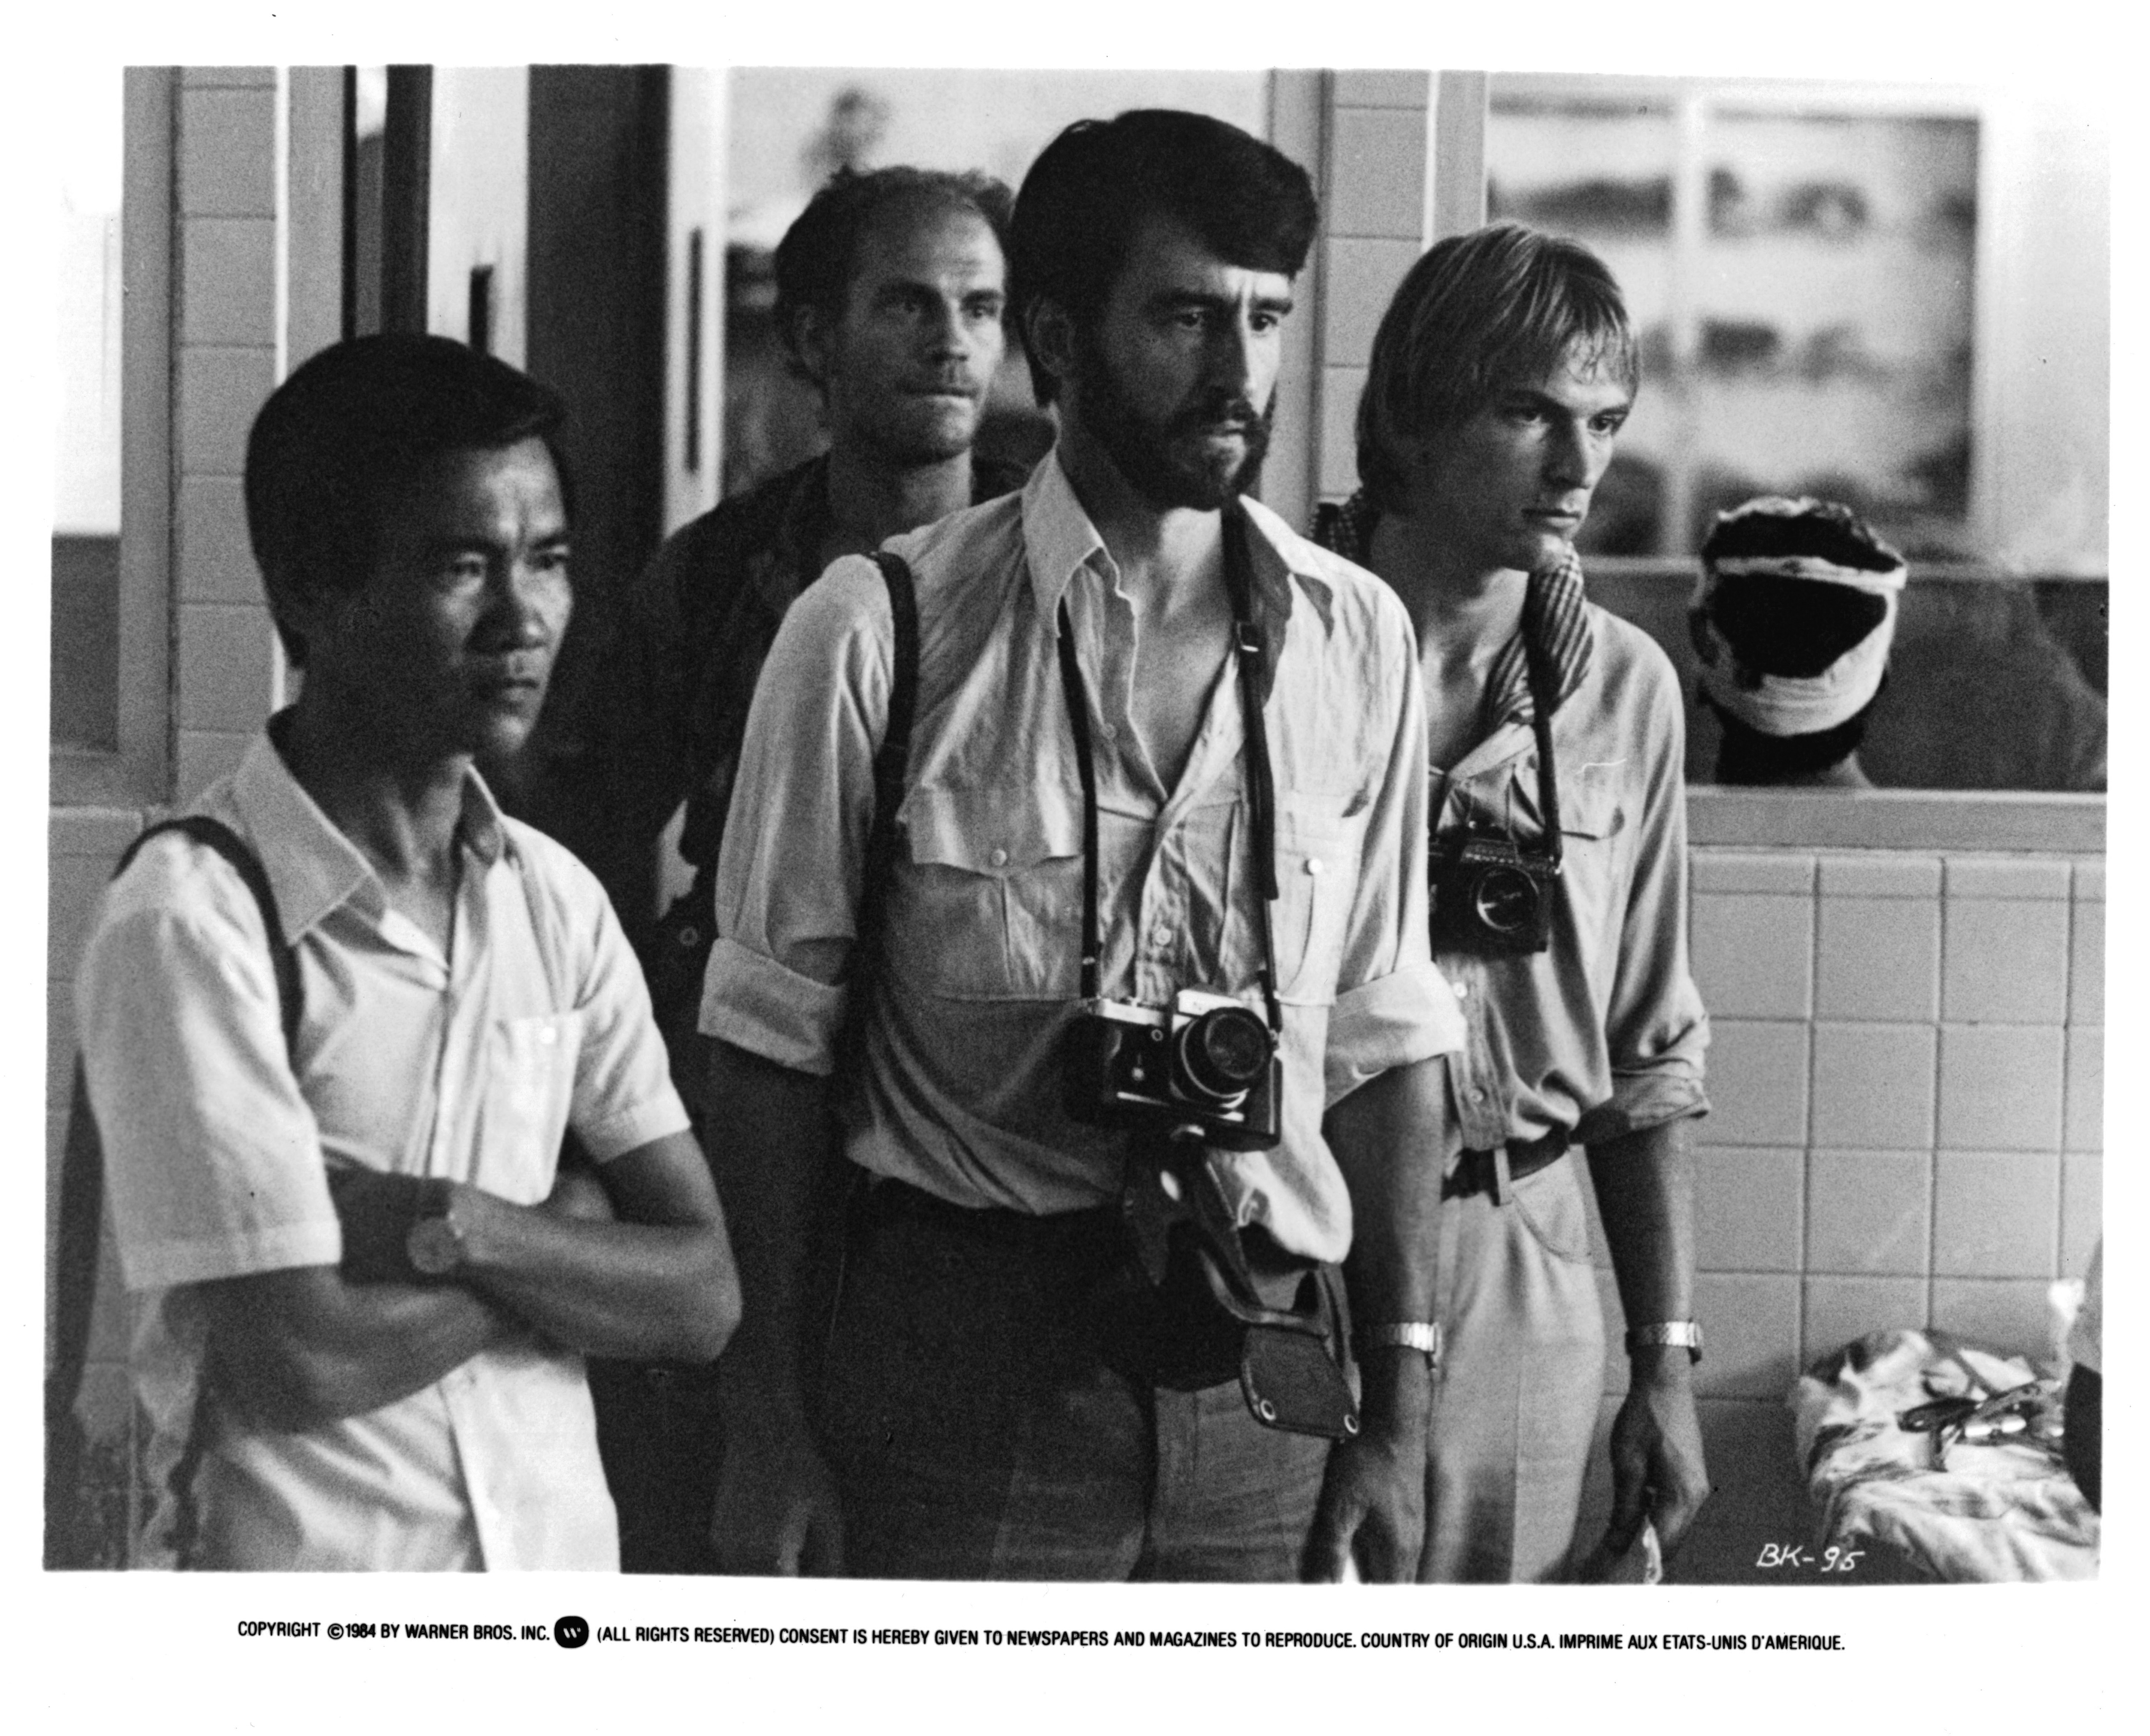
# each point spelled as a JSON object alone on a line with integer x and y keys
{"x": 469, "y": 1065}
{"x": 961, "y": 1092}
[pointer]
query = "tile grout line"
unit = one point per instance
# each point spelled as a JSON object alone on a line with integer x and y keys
{"x": 1933, "y": 1151}
{"x": 1806, "y": 1158}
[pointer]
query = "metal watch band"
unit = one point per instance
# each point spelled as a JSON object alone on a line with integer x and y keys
{"x": 1423, "y": 1336}
{"x": 1686, "y": 1334}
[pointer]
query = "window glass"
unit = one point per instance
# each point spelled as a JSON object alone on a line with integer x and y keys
{"x": 1895, "y": 301}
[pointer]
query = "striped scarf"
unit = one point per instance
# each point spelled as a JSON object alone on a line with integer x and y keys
{"x": 1553, "y": 615}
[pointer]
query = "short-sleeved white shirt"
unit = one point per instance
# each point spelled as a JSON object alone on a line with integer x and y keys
{"x": 960, "y": 1094}
{"x": 217, "y": 1147}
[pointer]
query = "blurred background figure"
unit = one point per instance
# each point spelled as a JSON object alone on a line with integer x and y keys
{"x": 848, "y": 144}
{"x": 1792, "y": 623}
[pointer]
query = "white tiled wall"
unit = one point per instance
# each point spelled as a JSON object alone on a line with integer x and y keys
{"x": 1905, "y": 1069}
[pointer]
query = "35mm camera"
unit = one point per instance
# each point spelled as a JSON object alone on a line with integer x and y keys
{"x": 1492, "y": 895}
{"x": 1206, "y": 1060}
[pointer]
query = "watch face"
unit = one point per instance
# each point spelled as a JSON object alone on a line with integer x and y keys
{"x": 435, "y": 1247}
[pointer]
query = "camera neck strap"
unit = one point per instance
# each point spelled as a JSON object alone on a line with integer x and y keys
{"x": 1537, "y": 668}
{"x": 1248, "y": 646}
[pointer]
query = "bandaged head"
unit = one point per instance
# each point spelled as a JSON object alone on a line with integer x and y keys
{"x": 1794, "y": 616}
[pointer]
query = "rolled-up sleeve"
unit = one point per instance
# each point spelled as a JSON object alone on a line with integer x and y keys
{"x": 1656, "y": 1031}
{"x": 796, "y": 840}
{"x": 1393, "y": 1006}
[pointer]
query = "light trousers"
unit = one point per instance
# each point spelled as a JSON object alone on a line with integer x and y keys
{"x": 1523, "y": 1362}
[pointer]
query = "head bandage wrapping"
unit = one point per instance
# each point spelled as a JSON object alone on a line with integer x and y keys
{"x": 1817, "y": 541}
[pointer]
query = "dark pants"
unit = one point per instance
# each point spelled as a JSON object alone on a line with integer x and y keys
{"x": 660, "y": 1437}
{"x": 660, "y": 1431}
{"x": 977, "y": 1429}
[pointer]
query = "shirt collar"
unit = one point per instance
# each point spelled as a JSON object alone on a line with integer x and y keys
{"x": 1058, "y": 537}
{"x": 1059, "y": 540}
{"x": 312, "y": 867}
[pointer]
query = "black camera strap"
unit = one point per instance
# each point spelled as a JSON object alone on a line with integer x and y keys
{"x": 1086, "y": 768}
{"x": 1248, "y": 645}
{"x": 1250, "y": 649}
{"x": 1538, "y": 671}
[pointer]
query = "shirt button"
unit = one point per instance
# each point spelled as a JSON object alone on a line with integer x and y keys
{"x": 546, "y": 1033}
{"x": 1161, "y": 935}
{"x": 1461, "y": 989}
{"x": 998, "y": 858}
{"x": 1477, "y": 1096}
{"x": 1313, "y": 865}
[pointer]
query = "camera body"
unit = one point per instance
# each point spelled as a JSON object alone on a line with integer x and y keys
{"x": 1491, "y": 895}
{"x": 1206, "y": 1060}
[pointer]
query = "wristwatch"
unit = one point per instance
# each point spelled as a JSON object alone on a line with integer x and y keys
{"x": 1687, "y": 1333}
{"x": 434, "y": 1243}
{"x": 1421, "y": 1335}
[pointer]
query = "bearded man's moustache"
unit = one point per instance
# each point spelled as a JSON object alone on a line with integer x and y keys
{"x": 1236, "y": 414}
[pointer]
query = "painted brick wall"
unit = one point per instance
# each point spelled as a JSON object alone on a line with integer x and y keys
{"x": 1374, "y": 207}
{"x": 224, "y": 359}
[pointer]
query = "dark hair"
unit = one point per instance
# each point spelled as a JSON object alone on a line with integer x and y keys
{"x": 1101, "y": 181}
{"x": 1477, "y": 314}
{"x": 357, "y": 421}
{"x": 818, "y": 256}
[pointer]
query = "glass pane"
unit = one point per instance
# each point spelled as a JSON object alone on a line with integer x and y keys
{"x": 85, "y": 650}
{"x": 1832, "y": 351}
{"x": 1805, "y": 270}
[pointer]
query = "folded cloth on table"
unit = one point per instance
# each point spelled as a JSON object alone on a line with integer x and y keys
{"x": 1999, "y": 1508}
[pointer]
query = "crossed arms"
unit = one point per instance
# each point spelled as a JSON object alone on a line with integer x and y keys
{"x": 630, "y": 1260}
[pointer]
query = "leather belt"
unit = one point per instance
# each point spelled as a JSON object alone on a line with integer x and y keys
{"x": 886, "y": 1200}
{"x": 1475, "y": 1172}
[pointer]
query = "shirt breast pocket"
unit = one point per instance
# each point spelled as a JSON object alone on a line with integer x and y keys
{"x": 988, "y": 906}
{"x": 1317, "y": 859}
{"x": 1590, "y": 804}
{"x": 529, "y": 1092}
{"x": 1594, "y": 844}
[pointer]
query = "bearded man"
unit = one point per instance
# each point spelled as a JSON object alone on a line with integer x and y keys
{"x": 1165, "y": 788}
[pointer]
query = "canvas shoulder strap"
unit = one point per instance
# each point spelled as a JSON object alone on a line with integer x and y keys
{"x": 82, "y": 1166}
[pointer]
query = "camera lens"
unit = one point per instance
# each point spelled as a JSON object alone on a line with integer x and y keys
{"x": 1506, "y": 900}
{"x": 1222, "y": 1054}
